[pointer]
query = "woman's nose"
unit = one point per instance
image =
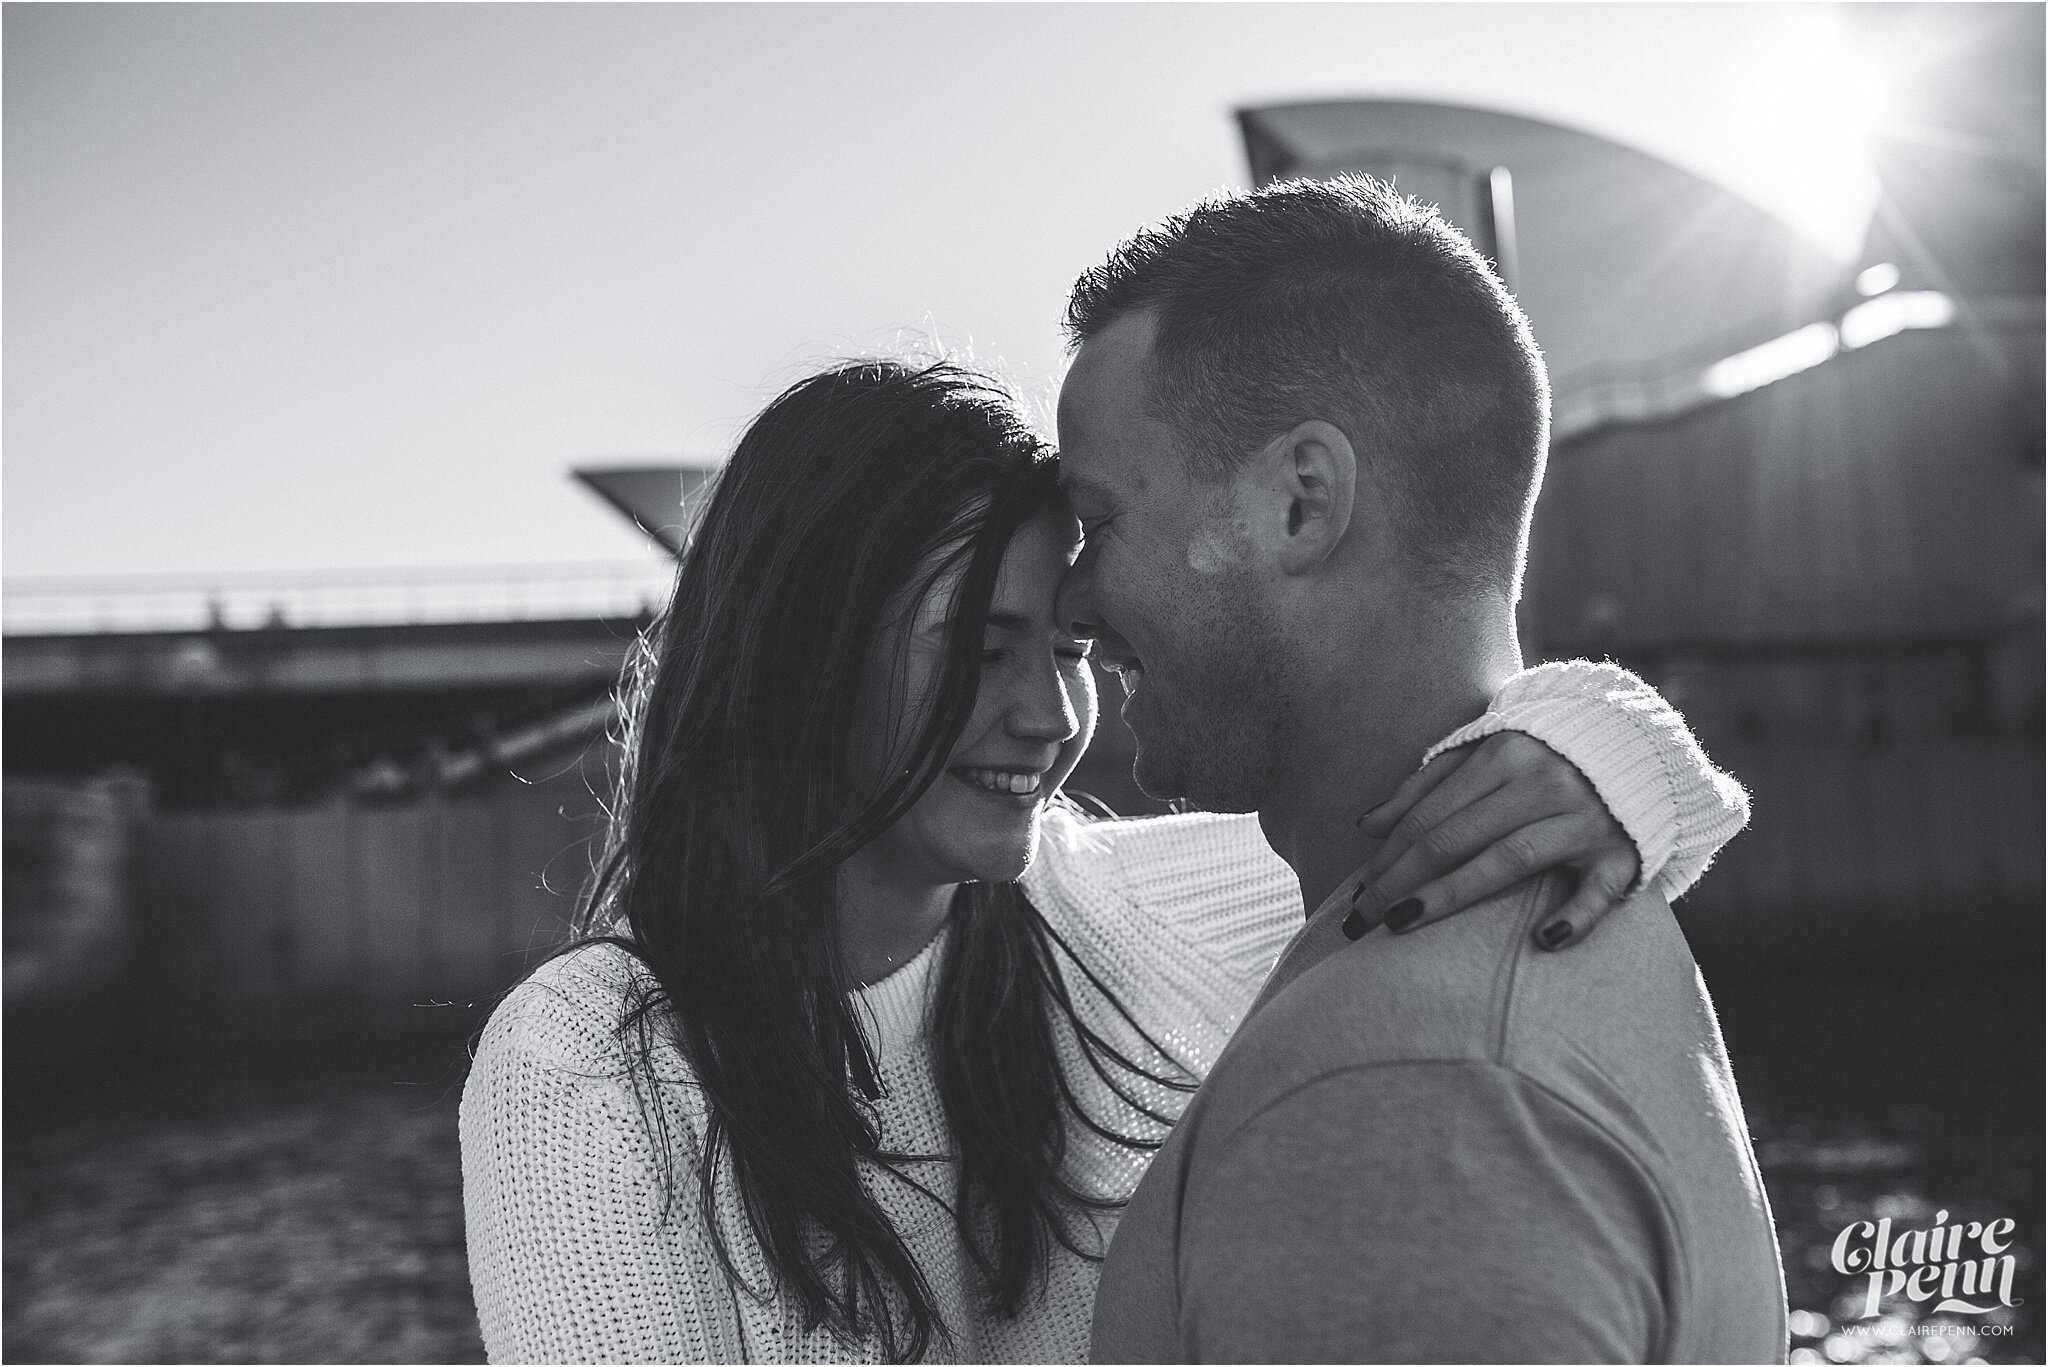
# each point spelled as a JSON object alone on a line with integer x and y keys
{"x": 1074, "y": 607}
{"x": 1043, "y": 709}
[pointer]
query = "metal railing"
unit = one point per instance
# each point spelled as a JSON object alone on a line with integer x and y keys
{"x": 198, "y": 602}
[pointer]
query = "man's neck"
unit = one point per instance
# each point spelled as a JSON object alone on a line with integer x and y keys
{"x": 1366, "y": 730}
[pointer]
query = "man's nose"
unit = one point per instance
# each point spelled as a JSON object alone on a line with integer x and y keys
{"x": 1074, "y": 608}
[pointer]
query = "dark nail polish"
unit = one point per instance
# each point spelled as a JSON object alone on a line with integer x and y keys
{"x": 1555, "y": 935}
{"x": 1354, "y": 925}
{"x": 1402, "y": 915}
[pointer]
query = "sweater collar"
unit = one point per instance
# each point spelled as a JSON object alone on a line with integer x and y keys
{"x": 892, "y": 1010}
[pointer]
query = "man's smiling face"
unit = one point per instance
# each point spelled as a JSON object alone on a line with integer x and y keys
{"x": 1165, "y": 585}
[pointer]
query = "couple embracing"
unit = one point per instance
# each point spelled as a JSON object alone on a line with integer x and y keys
{"x": 874, "y": 1047}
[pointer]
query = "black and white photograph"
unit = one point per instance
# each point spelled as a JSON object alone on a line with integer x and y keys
{"x": 1045, "y": 682}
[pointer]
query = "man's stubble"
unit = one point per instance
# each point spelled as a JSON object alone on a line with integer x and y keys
{"x": 1221, "y": 734}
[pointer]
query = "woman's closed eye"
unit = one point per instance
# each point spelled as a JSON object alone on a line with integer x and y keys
{"x": 1072, "y": 651}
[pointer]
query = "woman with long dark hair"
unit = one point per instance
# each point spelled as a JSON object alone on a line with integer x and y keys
{"x": 869, "y": 1034}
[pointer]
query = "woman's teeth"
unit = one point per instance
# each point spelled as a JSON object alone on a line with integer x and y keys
{"x": 1002, "y": 780}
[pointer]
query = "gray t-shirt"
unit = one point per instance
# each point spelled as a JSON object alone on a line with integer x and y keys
{"x": 1452, "y": 1146}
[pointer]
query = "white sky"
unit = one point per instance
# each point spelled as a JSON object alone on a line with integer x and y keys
{"x": 290, "y": 287}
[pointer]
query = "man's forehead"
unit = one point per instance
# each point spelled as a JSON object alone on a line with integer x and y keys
{"x": 1105, "y": 426}
{"x": 1107, "y": 469}
{"x": 1110, "y": 371}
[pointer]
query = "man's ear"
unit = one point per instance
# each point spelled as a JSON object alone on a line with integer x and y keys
{"x": 1310, "y": 479}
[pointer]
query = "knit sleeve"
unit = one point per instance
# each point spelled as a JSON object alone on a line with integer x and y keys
{"x": 1638, "y": 754}
{"x": 572, "y": 1256}
{"x": 1181, "y": 916}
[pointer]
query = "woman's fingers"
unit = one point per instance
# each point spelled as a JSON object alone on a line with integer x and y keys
{"x": 1602, "y": 887}
{"x": 1604, "y": 882}
{"x": 1478, "y": 820}
{"x": 1379, "y": 823}
{"x": 1499, "y": 823}
{"x": 1546, "y": 781}
{"x": 1499, "y": 864}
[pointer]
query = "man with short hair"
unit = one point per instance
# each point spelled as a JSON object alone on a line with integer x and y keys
{"x": 1303, "y": 431}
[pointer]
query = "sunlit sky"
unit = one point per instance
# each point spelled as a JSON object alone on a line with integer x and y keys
{"x": 302, "y": 287}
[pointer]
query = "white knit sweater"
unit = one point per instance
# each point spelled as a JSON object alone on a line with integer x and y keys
{"x": 1181, "y": 917}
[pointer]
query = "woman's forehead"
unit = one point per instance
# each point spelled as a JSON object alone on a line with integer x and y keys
{"x": 1037, "y": 560}
{"x": 1027, "y": 581}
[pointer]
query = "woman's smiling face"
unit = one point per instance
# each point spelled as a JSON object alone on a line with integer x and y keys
{"x": 1034, "y": 713}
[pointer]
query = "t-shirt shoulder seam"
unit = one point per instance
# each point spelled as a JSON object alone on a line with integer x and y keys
{"x": 1508, "y": 976}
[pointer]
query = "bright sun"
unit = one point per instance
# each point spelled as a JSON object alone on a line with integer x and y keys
{"x": 1807, "y": 109}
